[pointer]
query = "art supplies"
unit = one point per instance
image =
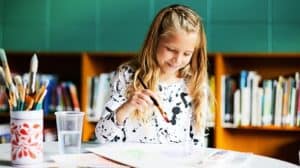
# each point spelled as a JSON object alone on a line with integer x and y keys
{"x": 22, "y": 95}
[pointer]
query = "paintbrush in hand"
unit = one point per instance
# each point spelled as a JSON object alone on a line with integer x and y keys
{"x": 163, "y": 114}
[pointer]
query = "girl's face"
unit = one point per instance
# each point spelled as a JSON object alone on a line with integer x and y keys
{"x": 175, "y": 51}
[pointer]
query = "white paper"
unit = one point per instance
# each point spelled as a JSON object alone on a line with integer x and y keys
{"x": 83, "y": 160}
{"x": 154, "y": 155}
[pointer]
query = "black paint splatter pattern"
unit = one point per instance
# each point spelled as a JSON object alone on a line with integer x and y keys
{"x": 175, "y": 101}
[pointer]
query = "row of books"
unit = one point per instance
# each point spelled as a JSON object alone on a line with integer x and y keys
{"x": 249, "y": 101}
{"x": 60, "y": 96}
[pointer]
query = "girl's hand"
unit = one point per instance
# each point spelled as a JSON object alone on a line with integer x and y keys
{"x": 139, "y": 100}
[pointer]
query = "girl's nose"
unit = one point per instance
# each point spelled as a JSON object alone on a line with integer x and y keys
{"x": 175, "y": 58}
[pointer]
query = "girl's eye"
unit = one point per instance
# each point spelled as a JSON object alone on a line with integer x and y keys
{"x": 170, "y": 49}
{"x": 187, "y": 54}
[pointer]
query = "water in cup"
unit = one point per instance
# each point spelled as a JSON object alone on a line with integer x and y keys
{"x": 71, "y": 141}
{"x": 69, "y": 129}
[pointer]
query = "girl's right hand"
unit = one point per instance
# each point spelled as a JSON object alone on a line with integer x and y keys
{"x": 139, "y": 100}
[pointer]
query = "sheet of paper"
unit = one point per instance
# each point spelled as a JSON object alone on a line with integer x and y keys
{"x": 151, "y": 155}
{"x": 84, "y": 160}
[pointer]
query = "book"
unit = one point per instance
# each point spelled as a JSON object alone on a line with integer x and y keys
{"x": 100, "y": 96}
{"x": 237, "y": 108}
{"x": 278, "y": 102}
{"x": 267, "y": 103}
{"x": 245, "y": 98}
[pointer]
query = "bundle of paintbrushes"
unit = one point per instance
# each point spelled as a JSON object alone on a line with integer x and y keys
{"x": 22, "y": 95}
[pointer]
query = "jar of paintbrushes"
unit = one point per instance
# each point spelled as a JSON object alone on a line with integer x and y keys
{"x": 26, "y": 114}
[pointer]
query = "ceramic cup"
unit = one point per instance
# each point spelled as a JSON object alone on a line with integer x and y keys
{"x": 26, "y": 137}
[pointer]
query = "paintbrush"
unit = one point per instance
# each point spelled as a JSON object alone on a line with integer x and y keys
{"x": 6, "y": 69}
{"x": 163, "y": 114}
{"x": 8, "y": 80}
{"x": 32, "y": 74}
{"x": 19, "y": 84}
{"x": 40, "y": 92}
{"x": 2, "y": 74}
{"x": 7, "y": 74}
{"x": 39, "y": 104}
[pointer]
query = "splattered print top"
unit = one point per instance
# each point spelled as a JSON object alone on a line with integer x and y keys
{"x": 175, "y": 101}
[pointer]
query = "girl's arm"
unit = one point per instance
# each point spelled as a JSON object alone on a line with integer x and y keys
{"x": 108, "y": 129}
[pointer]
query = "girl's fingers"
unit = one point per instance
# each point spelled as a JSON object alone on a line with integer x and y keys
{"x": 141, "y": 100}
{"x": 151, "y": 94}
{"x": 146, "y": 98}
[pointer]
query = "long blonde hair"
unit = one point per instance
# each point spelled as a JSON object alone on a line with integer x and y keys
{"x": 170, "y": 19}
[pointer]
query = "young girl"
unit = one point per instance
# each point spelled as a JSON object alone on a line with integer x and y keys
{"x": 173, "y": 66}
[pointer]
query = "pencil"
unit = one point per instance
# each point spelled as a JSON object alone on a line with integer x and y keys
{"x": 163, "y": 114}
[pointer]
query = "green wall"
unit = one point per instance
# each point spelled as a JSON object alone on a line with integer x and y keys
{"x": 104, "y": 25}
{"x": 1, "y": 21}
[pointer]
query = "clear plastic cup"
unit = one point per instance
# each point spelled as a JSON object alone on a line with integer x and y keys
{"x": 69, "y": 130}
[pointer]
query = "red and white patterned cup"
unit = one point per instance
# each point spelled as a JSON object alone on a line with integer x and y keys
{"x": 26, "y": 137}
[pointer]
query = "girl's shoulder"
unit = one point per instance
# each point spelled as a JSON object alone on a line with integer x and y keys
{"x": 126, "y": 68}
{"x": 125, "y": 73}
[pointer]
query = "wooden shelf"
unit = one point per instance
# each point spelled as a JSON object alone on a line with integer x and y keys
{"x": 277, "y": 142}
{"x": 4, "y": 114}
{"x": 265, "y": 128}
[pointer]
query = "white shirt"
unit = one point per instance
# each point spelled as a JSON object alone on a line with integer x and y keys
{"x": 174, "y": 100}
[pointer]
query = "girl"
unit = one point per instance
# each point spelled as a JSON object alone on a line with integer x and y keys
{"x": 173, "y": 66}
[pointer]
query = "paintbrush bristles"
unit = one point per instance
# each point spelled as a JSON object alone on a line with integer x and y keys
{"x": 3, "y": 57}
{"x": 19, "y": 84}
{"x": 5, "y": 68}
{"x": 18, "y": 80}
{"x": 32, "y": 73}
{"x": 3, "y": 76}
{"x": 34, "y": 64}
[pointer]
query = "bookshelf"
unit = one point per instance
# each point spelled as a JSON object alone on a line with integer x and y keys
{"x": 278, "y": 142}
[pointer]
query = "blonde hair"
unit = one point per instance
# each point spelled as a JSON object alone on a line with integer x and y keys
{"x": 171, "y": 19}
